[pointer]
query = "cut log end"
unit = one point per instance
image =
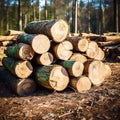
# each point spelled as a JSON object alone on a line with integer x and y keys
{"x": 40, "y": 43}
{"x": 92, "y": 49}
{"x": 83, "y": 45}
{"x": 78, "y": 57}
{"x": 100, "y": 55}
{"x": 77, "y": 69}
{"x": 63, "y": 50}
{"x": 23, "y": 69}
{"x": 26, "y": 52}
{"x": 59, "y": 78}
{"x": 59, "y": 30}
{"x": 81, "y": 84}
{"x": 96, "y": 72}
{"x": 45, "y": 59}
{"x": 25, "y": 87}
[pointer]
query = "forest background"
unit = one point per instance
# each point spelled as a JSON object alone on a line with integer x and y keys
{"x": 96, "y": 16}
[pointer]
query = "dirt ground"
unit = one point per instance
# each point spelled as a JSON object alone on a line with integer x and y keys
{"x": 99, "y": 103}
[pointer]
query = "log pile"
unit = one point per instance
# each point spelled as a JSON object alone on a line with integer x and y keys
{"x": 7, "y": 40}
{"x": 50, "y": 57}
{"x": 108, "y": 42}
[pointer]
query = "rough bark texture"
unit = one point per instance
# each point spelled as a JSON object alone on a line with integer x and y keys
{"x": 53, "y": 77}
{"x": 109, "y": 43}
{"x": 19, "y": 86}
{"x": 56, "y": 30}
{"x": 40, "y": 43}
{"x": 20, "y": 51}
{"x": 20, "y": 68}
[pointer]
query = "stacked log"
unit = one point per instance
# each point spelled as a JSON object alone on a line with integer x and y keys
{"x": 21, "y": 86}
{"x": 108, "y": 42}
{"x": 56, "y": 60}
{"x": 7, "y": 40}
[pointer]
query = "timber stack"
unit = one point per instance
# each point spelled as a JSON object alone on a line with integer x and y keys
{"x": 7, "y": 40}
{"x": 108, "y": 42}
{"x": 46, "y": 55}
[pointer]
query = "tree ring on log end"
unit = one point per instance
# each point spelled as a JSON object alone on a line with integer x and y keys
{"x": 59, "y": 78}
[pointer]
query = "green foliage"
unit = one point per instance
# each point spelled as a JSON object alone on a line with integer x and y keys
{"x": 33, "y": 10}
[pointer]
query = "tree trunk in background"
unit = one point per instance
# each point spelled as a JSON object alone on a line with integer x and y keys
{"x": 20, "y": 15}
{"x": 76, "y": 12}
{"x": 116, "y": 15}
{"x": 45, "y": 9}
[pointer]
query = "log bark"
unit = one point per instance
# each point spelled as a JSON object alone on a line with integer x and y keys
{"x": 93, "y": 37}
{"x": 81, "y": 84}
{"x": 53, "y": 77}
{"x": 14, "y": 32}
{"x": 100, "y": 55}
{"x": 79, "y": 44}
{"x": 112, "y": 38}
{"x": 20, "y": 51}
{"x": 56, "y": 30}
{"x": 74, "y": 68}
{"x": 78, "y": 57}
{"x": 40, "y": 43}
{"x": 20, "y": 68}
{"x": 46, "y": 58}
{"x": 7, "y": 38}
{"x": 21, "y": 87}
{"x": 95, "y": 70}
{"x": 92, "y": 49}
{"x": 63, "y": 50}
{"x": 109, "y": 43}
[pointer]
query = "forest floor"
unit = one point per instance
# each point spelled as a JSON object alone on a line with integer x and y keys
{"x": 99, "y": 103}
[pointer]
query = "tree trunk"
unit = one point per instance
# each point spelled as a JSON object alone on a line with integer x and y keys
{"x": 79, "y": 44}
{"x": 92, "y": 49}
{"x": 44, "y": 59}
{"x": 40, "y": 43}
{"x": 74, "y": 68}
{"x": 19, "y": 86}
{"x": 78, "y": 57}
{"x": 20, "y": 51}
{"x": 55, "y": 30}
{"x": 53, "y": 77}
{"x": 63, "y": 50}
{"x": 81, "y": 84}
{"x": 95, "y": 70}
{"x": 21, "y": 69}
